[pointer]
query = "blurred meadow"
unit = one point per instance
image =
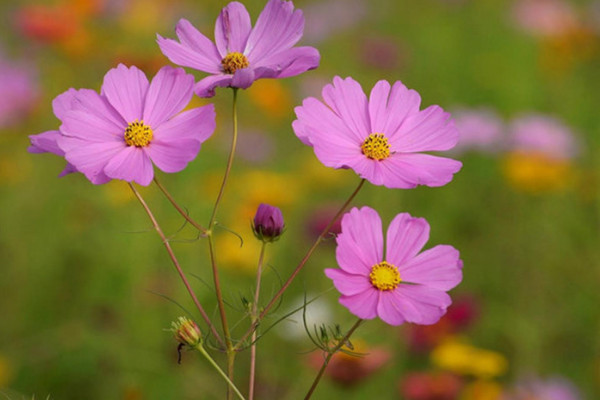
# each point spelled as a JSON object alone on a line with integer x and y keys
{"x": 87, "y": 291}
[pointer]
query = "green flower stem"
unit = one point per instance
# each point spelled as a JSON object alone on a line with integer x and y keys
{"x": 176, "y": 264}
{"x": 254, "y": 312}
{"x": 339, "y": 345}
{"x": 220, "y": 371}
{"x": 300, "y": 265}
{"x": 181, "y": 211}
{"x": 209, "y": 233}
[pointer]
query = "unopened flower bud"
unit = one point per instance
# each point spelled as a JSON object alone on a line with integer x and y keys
{"x": 268, "y": 223}
{"x": 186, "y": 332}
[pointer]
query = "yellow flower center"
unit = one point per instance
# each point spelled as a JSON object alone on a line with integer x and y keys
{"x": 234, "y": 61}
{"x": 384, "y": 276}
{"x": 376, "y": 147}
{"x": 137, "y": 134}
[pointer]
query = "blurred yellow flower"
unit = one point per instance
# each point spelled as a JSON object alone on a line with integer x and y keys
{"x": 6, "y": 372}
{"x": 461, "y": 358}
{"x": 271, "y": 97}
{"x": 536, "y": 172}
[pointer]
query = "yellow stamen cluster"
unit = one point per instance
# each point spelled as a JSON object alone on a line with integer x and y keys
{"x": 384, "y": 276}
{"x": 376, "y": 147}
{"x": 138, "y": 134}
{"x": 234, "y": 61}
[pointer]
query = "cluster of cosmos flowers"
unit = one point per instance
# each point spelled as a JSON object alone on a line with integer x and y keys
{"x": 135, "y": 124}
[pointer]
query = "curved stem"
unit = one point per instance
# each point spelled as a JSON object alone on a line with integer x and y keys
{"x": 300, "y": 265}
{"x": 181, "y": 211}
{"x": 176, "y": 263}
{"x": 254, "y": 316}
{"x": 228, "y": 343}
{"x": 220, "y": 371}
{"x": 329, "y": 356}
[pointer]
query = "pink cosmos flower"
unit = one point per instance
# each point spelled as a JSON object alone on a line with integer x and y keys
{"x": 481, "y": 129}
{"x": 380, "y": 138}
{"x": 243, "y": 54}
{"x": 553, "y": 388}
{"x": 403, "y": 286}
{"x": 131, "y": 125}
{"x": 545, "y": 18}
{"x": 18, "y": 90}
{"x": 538, "y": 133}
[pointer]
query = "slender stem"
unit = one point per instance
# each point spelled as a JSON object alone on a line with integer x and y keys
{"x": 220, "y": 371}
{"x": 228, "y": 343}
{"x": 181, "y": 211}
{"x": 254, "y": 316}
{"x": 229, "y": 161}
{"x": 329, "y": 356}
{"x": 176, "y": 263}
{"x": 300, "y": 265}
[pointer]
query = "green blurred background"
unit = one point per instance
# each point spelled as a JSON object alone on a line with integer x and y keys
{"x": 85, "y": 278}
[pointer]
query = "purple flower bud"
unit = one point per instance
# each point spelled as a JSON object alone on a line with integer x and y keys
{"x": 268, "y": 223}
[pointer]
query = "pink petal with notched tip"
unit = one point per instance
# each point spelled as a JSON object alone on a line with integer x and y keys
{"x": 438, "y": 267}
{"x": 278, "y": 27}
{"x": 347, "y": 99}
{"x": 360, "y": 245}
{"x": 232, "y": 29}
{"x": 131, "y": 164}
{"x": 389, "y": 106}
{"x": 169, "y": 92}
{"x": 363, "y": 305}
{"x": 348, "y": 284}
{"x": 290, "y": 62}
{"x": 126, "y": 88}
{"x": 405, "y": 237}
{"x": 428, "y": 130}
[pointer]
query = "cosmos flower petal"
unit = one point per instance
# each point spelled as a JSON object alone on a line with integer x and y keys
{"x": 169, "y": 92}
{"x": 360, "y": 245}
{"x": 206, "y": 87}
{"x": 420, "y": 304}
{"x": 174, "y": 155}
{"x": 315, "y": 116}
{"x": 131, "y": 164}
{"x": 429, "y": 130}
{"x": 126, "y": 88}
{"x": 195, "y": 50}
{"x": 388, "y": 310}
{"x": 91, "y": 127}
{"x": 63, "y": 103}
{"x": 348, "y": 284}
{"x": 90, "y": 102}
{"x": 289, "y": 62}
{"x": 45, "y": 142}
{"x": 232, "y": 29}
{"x": 363, "y": 305}
{"x": 374, "y": 172}
{"x": 69, "y": 169}
{"x": 198, "y": 124}
{"x": 438, "y": 267}
{"x": 278, "y": 27}
{"x": 89, "y": 158}
{"x": 243, "y": 78}
{"x": 347, "y": 99}
{"x": 405, "y": 237}
{"x": 391, "y": 106}
{"x": 423, "y": 169}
